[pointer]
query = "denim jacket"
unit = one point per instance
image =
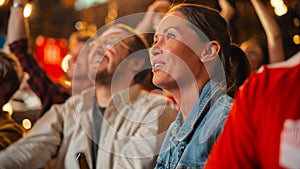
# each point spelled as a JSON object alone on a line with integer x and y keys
{"x": 188, "y": 145}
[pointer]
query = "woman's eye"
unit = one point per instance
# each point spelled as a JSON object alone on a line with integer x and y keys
{"x": 170, "y": 36}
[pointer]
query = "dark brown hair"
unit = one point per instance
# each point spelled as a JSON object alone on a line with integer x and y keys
{"x": 138, "y": 48}
{"x": 240, "y": 68}
{"x": 11, "y": 74}
{"x": 210, "y": 25}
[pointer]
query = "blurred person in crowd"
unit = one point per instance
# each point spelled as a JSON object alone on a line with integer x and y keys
{"x": 48, "y": 91}
{"x": 152, "y": 17}
{"x": 240, "y": 68}
{"x": 227, "y": 10}
{"x": 77, "y": 46}
{"x": 11, "y": 75}
{"x": 25, "y": 103}
{"x": 263, "y": 127}
{"x": 256, "y": 50}
{"x": 115, "y": 124}
{"x": 190, "y": 59}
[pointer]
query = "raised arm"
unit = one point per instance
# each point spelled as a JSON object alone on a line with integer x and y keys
{"x": 17, "y": 24}
{"x": 227, "y": 10}
{"x": 18, "y": 39}
{"x": 272, "y": 30}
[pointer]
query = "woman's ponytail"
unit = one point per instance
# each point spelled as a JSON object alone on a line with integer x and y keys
{"x": 240, "y": 68}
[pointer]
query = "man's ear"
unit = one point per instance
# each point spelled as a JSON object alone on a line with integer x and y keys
{"x": 210, "y": 51}
{"x": 136, "y": 63}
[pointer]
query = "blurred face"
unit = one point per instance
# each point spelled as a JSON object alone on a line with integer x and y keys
{"x": 173, "y": 55}
{"x": 107, "y": 53}
{"x": 254, "y": 53}
{"x": 79, "y": 59}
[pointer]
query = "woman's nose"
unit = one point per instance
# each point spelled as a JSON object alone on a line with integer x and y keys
{"x": 155, "y": 51}
{"x": 156, "y": 47}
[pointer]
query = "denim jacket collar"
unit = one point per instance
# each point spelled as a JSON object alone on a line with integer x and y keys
{"x": 210, "y": 90}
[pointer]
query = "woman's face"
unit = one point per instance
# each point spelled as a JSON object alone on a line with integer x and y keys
{"x": 174, "y": 56}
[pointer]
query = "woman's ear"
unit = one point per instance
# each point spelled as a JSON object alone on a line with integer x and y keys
{"x": 210, "y": 51}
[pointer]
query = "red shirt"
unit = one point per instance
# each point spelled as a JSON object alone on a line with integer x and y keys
{"x": 263, "y": 127}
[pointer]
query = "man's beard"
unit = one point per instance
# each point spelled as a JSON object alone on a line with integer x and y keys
{"x": 103, "y": 78}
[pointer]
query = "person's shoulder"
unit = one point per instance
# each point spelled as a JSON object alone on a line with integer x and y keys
{"x": 7, "y": 123}
{"x": 269, "y": 77}
{"x": 275, "y": 71}
{"x": 77, "y": 101}
{"x": 291, "y": 62}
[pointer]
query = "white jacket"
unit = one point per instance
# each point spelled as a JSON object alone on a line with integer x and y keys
{"x": 133, "y": 128}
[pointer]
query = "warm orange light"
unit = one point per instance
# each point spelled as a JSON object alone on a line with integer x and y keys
{"x": 26, "y": 124}
{"x": 27, "y": 10}
{"x": 8, "y": 108}
{"x": 2, "y": 2}
{"x": 80, "y": 25}
{"x": 296, "y": 39}
{"x": 276, "y": 3}
{"x": 64, "y": 63}
{"x": 281, "y": 10}
{"x": 296, "y": 22}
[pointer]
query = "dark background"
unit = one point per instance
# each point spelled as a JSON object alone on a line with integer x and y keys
{"x": 56, "y": 18}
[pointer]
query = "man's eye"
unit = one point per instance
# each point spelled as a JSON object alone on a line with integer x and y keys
{"x": 108, "y": 45}
{"x": 170, "y": 36}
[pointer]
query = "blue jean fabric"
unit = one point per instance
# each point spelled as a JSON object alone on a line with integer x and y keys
{"x": 188, "y": 145}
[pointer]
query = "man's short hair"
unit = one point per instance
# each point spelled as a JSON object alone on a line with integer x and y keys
{"x": 79, "y": 36}
{"x": 138, "y": 48}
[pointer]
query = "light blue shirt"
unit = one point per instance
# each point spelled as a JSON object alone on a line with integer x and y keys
{"x": 188, "y": 145}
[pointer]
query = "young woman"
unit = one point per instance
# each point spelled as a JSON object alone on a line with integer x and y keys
{"x": 192, "y": 59}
